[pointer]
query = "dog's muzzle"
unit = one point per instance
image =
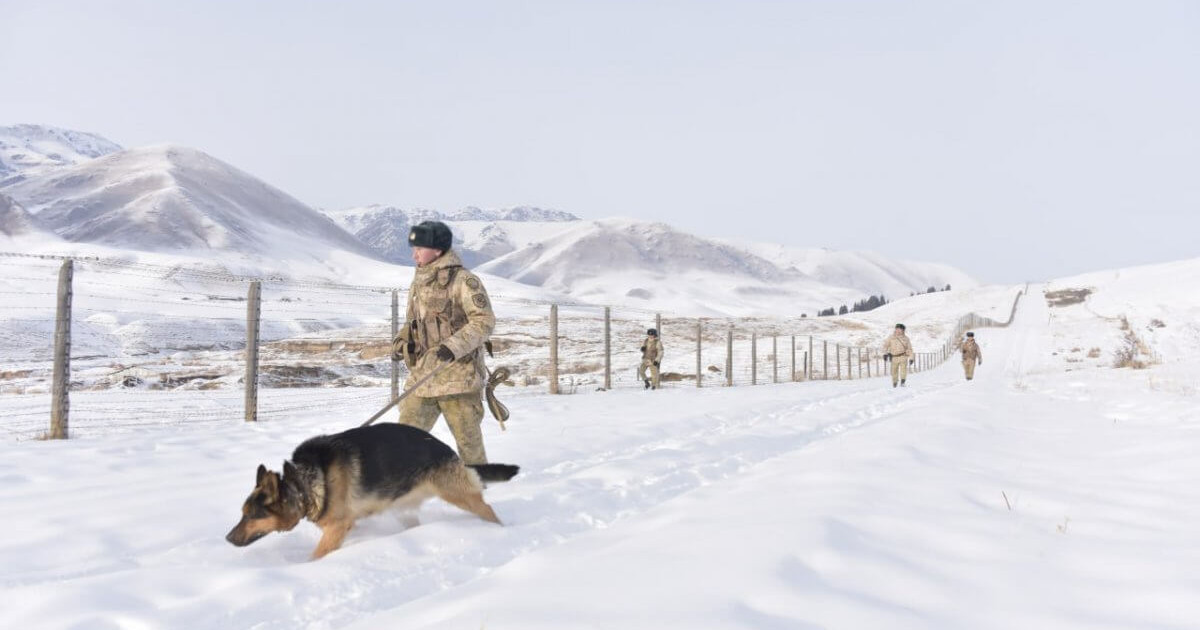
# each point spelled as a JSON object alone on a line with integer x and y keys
{"x": 236, "y": 538}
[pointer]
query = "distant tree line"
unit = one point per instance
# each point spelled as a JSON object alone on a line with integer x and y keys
{"x": 861, "y": 306}
{"x": 931, "y": 290}
{"x": 868, "y": 304}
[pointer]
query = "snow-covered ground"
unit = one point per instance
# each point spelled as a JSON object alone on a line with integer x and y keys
{"x": 1052, "y": 492}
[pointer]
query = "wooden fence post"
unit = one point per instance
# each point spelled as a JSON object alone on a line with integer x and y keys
{"x": 395, "y": 331}
{"x": 699, "y": 337}
{"x": 607, "y": 348}
{"x": 808, "y": 362}
{"x": 729, "y": 359}
{"x": 825, "y": 360}
{"x": 837, "y": 357}
{"x": 754, "y": 358}
{"x": 793, "y": 378}
{"x": 553, "y": 349}
{"x": 60, "y": 390}
{"x": 253, "y": 315}
{"x": 774, "y": 359}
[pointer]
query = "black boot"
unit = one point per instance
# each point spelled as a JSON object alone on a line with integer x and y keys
{"x": 893, "y": 383}
{"x": 647, "y": 382}
{"x": 902, "y": 383}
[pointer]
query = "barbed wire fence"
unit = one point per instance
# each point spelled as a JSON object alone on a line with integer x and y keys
{"x": 146, "y": 330}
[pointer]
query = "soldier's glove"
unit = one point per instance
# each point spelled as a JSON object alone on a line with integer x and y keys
{"x": 444, "y": 354}
{"x": 643, "y": 348}
{"x": 912, "y": 361}
{"x": 656, "y": 364}
{"x": 981, "y": 362}
{"x": 400, "y": 345}
{"x": 887, "y": 357}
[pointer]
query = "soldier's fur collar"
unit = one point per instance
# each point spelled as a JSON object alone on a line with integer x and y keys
{"x": 445, "y": 261}
{"x": 442, "y": 270}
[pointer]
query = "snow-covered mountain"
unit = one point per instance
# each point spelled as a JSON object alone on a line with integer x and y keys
{"x": 171, "y": 198}
{"x": 29, "y": 150}
{"x": 14, "y": 220}
{"x": 617, "y": 261}
{"x": 622, "y": 245}
{"x": 624, "y": 260}
{"x": 479, "y": 235}
{"x": 867, "y": 272}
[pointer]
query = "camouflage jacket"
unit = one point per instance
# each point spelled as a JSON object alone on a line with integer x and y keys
{"x": 898, "y": 346}
{"x": 447, "y": 306}
{"x": 970, "y": 351}
{"x": 652, "y": 349}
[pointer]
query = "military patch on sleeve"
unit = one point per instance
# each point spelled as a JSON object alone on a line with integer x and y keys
{"x": 480, "y": 300}
{"x": 473, "y": 283}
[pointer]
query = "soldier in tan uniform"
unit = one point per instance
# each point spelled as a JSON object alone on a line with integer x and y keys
{"x": 971, "y": 356}
{"x": 652, "y": 353}
{"x": 449, "y": 319}
{"x": 898, "y": 349}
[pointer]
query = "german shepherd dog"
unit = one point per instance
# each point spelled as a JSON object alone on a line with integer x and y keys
{"x": 334, "y": 480}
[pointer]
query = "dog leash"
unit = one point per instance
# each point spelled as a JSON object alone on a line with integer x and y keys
{"x": 407, "y": 392}
{"x": 499, "y": 411}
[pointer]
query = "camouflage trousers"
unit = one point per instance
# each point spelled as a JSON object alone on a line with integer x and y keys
{"x": 899, "y": 369}
{"x": 653, "y": 373}
{"x": 969, "y": 368}
{"x": 463, "y": 412}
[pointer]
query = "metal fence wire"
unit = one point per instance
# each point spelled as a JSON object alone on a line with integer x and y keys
{"x": 146, "y": 330}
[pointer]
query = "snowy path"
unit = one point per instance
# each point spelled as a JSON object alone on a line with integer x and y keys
{"x": 834, "y": 504}
{"x": 894, "y": 526}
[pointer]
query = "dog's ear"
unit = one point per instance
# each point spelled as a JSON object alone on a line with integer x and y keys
{"x": 262, "y": 472}
{"x": 270, "y": 485}
{"x": 289, "y": 471}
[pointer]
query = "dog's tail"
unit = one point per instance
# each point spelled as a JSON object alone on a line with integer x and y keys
{"x": 495, "y": 472}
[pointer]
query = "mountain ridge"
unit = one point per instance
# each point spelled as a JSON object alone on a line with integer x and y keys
{"x": 27, "y": 150}
{"x": 169, "y": 198}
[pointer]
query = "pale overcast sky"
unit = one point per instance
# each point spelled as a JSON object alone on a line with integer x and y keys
{"x": 1014, "y": 140}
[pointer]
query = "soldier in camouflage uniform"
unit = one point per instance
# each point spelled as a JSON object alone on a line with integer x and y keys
{"x": 898, "y": 349}
{"x": 971, "y": 356}
{"x": 449, "y": 319}
{"x": 652, "y": 354}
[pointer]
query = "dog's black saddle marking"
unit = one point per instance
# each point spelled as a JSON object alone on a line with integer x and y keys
{"x": 392, "y": 458}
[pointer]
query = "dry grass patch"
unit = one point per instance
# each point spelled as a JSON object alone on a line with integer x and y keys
{"x": 1067, "y": 297}
{"x": 1133, "y": 353}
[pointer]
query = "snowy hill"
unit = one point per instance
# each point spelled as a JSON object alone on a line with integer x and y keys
{"x": 170, "y": 198}
{"x": 632, "y": 262}
{"x": 867, "y": 272}
{"x": 14, "y": 220}
{"x": 480, "y": 235}
{"x": 625, "y": 261}
{"x": 28, "y": 150}
{"x": 178, "y": 200}
{"x": 852, "y": 504}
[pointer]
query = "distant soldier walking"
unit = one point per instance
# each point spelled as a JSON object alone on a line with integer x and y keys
{"x": 449, "y": 319}
{"x": 971, "y": 356}
{"x": 652, "y": 353}
{"x": 898, "y": 349}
